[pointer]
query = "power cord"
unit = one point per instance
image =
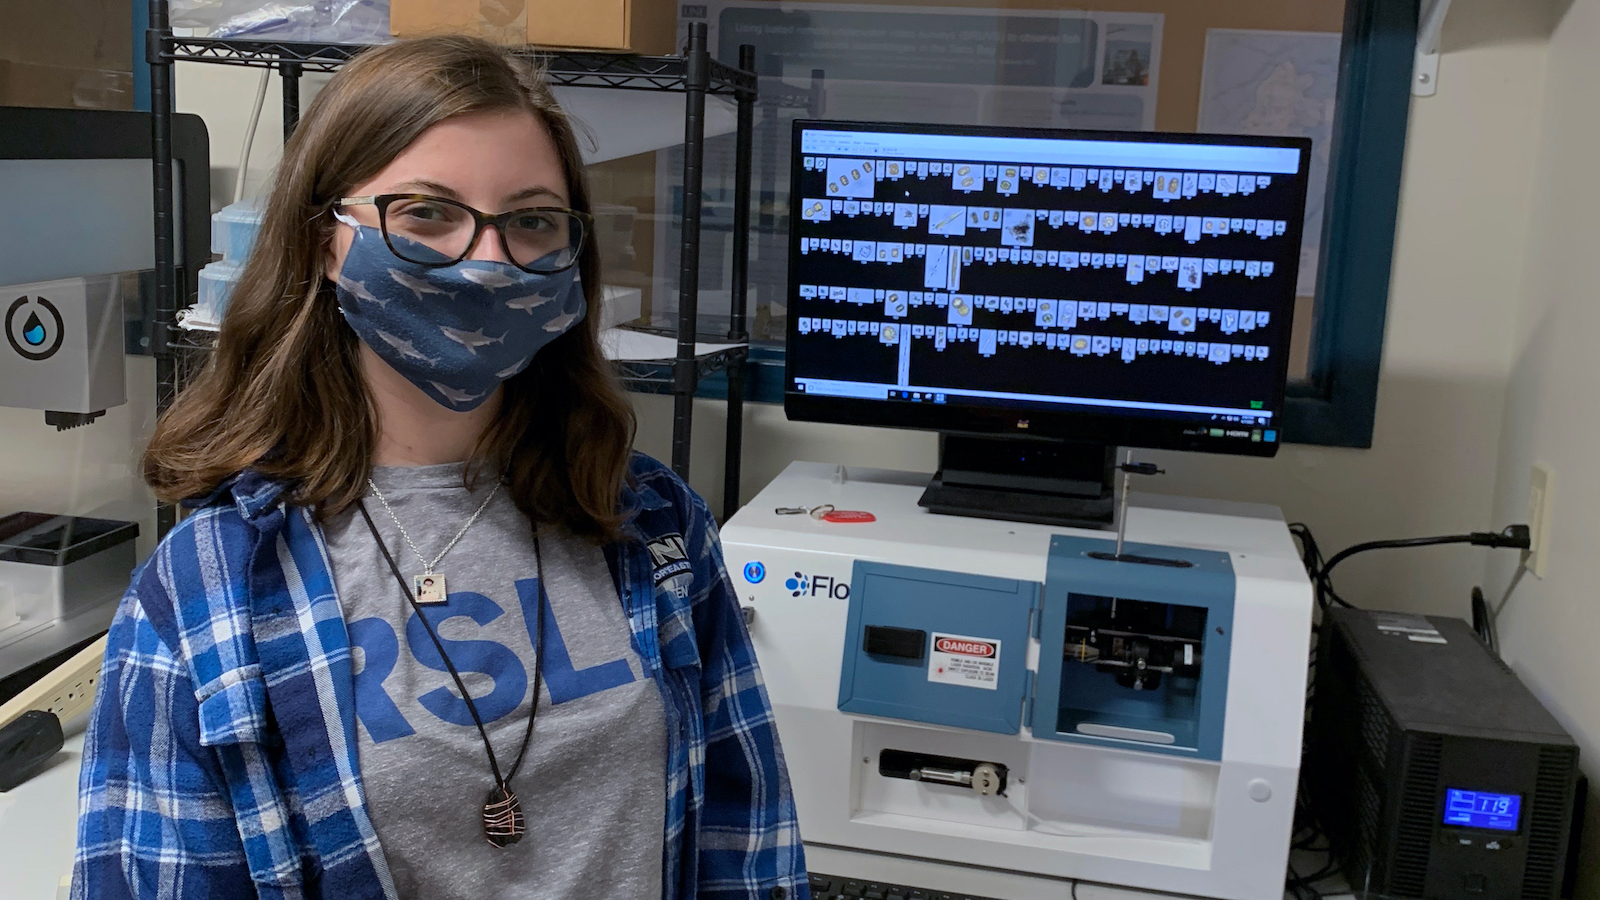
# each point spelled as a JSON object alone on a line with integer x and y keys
{"x": 1483, "y": 622}
{"x": 1517, "y": 537}
{"x": 250, "y": 138}
{"x": 1311, "y": 558}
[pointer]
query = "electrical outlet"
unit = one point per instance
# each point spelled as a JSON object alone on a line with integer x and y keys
{"x": 68, "y": 691}
{"x": 1541, "y": 484}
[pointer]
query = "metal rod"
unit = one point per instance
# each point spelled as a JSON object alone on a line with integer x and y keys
{"x": 685, "y": 372}
{"x": 165, "y": 259}
{"x": 290, "y": 73}
{"x": 744, "y": 144}
{"x": 1122, "y": 507}
{"x": 771, "y": 279}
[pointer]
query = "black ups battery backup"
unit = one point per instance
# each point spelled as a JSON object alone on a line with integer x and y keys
{"x": 1435, "y": 772}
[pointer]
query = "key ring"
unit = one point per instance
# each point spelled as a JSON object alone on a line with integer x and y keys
{"x": 827, "y": 512}
{"x": 815, "y": 512}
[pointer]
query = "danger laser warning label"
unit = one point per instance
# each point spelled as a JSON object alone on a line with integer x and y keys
{"x": 965, "y": 661}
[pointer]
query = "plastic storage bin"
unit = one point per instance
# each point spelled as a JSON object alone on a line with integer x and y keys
{"x": 216, "y": 285}
{"x": 234, "y": 228}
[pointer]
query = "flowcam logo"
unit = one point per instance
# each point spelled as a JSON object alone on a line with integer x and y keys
{"x": 965, "y": 648}
{"x": 755, "y": 572}
{"x": 802, "y": 585}
{"x": 34, "y": 328}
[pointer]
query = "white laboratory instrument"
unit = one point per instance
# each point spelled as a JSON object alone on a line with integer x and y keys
{"x": 991, "y": 702}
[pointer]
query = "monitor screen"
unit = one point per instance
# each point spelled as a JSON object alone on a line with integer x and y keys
{"x": 1124, "y": 288}
{"x": 1481, "y": 809}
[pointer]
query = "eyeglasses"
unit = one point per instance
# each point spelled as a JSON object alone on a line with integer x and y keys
{"x": 433, "y": 231}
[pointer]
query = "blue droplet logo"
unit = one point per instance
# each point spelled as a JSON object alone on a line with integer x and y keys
{"x": 755, "y": 572}
{"x": 33, "y": 327}
{"x": 797, "y": 585}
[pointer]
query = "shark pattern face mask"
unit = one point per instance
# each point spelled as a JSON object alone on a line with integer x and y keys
{"x": 458, "y": 331}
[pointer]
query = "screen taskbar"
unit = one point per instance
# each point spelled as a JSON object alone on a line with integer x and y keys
{"x": 825, "y": 387}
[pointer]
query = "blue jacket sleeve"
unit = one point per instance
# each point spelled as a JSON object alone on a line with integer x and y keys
{"x": 155, "y": 818}
{"x": 749, "y": 836}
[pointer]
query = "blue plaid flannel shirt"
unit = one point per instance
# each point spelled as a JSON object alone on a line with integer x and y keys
{"x": 221, "y": 759}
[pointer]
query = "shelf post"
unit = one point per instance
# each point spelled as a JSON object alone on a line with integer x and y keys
{"x": 744, "y": 142}
{"x": 161, "y": 331}
{"x": 290, "y": 73}
{"x": 685, "y": 374}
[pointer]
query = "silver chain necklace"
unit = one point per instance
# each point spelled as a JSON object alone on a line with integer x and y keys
{"x": 429, "y": 587}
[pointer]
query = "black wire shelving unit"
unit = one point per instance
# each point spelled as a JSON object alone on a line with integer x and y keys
{"x": 696, "y": 74}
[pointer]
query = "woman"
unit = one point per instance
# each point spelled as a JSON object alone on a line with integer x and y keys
{"x": 431, "y": 630}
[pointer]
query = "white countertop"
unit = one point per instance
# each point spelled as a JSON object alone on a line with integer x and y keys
{"x": 39, "y": 828}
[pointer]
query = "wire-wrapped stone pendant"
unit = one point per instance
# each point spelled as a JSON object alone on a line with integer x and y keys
{"x": 502, "y": 818}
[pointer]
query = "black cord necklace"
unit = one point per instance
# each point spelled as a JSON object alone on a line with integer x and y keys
{"x": 503, "y": 823}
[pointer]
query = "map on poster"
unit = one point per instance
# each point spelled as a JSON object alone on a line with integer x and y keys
{"x": 1277, "y": 83}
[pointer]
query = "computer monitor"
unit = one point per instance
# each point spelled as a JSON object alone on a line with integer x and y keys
{"x": 1042, "y": 296}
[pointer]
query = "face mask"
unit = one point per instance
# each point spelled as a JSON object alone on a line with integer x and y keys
{"x": 457, "y": 331}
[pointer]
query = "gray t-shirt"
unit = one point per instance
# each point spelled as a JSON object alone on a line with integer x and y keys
{"x": 593, "y": 787}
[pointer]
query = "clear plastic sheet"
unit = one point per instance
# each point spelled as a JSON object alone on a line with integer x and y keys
{"x": 322, "y": 21}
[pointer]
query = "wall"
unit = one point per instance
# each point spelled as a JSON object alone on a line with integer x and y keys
{"x": 224, "y": 96}
{"x": 1464, "y": 216}
{"x": 1550, "y": 626}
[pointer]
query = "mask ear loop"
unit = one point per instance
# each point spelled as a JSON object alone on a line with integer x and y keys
{"x": 339, "y": 215}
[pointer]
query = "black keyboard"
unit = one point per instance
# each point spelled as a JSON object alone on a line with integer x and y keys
{"x": 832, "y": 887}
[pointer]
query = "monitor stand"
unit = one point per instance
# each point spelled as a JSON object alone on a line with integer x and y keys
{"x": 1024, "y": 480}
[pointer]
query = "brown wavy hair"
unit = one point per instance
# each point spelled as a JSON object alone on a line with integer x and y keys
{"x": 283, "y": 394}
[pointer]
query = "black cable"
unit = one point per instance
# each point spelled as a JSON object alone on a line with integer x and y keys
{"x": 1327, "y": 871}
{"x": 1299, "y": 887}
{"x": 1074, "y": 889}
{"x": 1514, "y": 536}
{"x": 1311, "y": 558}
{"x": 1483, "y": 622}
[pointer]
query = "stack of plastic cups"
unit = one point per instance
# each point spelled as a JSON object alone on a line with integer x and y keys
{"x": 233, "y": 233}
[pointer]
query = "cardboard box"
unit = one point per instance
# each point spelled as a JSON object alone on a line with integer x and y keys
{"x": 636, "y": 26}
{"x": 22, "y": 84}
{"x": 67, "y": 53}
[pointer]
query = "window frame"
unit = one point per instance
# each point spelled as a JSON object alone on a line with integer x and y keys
{"x": 1336, "y": 405}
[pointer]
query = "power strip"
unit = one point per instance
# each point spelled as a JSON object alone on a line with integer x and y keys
{"x": 68, "y": 691}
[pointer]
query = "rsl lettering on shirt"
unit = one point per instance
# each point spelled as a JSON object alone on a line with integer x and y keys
{"x": 564, "y": 682}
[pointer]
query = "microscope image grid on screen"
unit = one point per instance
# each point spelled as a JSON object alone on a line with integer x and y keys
{"x": 989, "y": 281}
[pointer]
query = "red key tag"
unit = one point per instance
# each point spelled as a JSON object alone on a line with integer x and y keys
{"x": 849, "y": 515}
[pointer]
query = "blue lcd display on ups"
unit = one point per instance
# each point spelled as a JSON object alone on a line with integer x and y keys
{"x": 1480, "y": 809}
